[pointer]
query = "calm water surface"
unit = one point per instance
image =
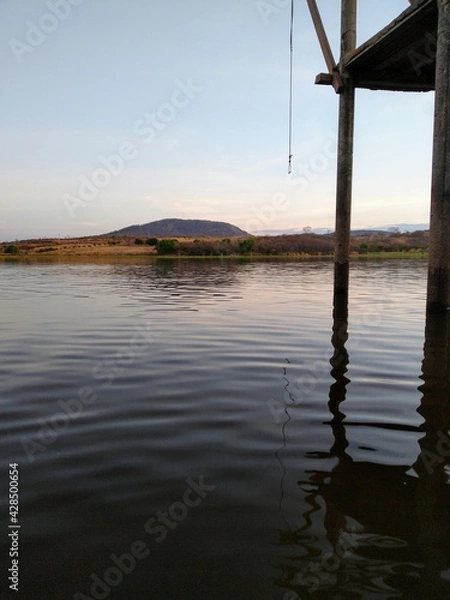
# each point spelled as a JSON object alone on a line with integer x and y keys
{"x": 204, "y": 430}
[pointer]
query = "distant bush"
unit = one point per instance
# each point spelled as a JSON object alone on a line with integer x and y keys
{"x": 139, "y": 242}
{"x": 11, "y": 249}
{"x": 310, "y": 244}
{"x": 151, "y": 241}
{"x": 206, "y": 247}
{"x": 246, "y": 245}
{"x": 166, "y": 246}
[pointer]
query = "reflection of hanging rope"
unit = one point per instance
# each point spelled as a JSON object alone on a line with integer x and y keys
{"x": 291, "y": 84}
{"x": 283, "y": 447}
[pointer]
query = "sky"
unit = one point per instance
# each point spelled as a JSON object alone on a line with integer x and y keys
{"x": 117, "y": 112}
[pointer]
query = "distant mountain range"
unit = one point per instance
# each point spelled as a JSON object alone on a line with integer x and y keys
{"x": 180, "y": 228}
{"x": 402, "y": 227}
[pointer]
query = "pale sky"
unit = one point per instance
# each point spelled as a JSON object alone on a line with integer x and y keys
{"x": 116, "y": 112}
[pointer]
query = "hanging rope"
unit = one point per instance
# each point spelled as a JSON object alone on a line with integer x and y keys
{"x": 291, "y": 85}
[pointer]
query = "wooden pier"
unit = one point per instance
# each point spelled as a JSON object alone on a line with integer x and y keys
{"x": 411, "y": 54}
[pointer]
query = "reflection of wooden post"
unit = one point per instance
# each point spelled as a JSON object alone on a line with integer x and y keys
{"x": 435, "y": 403}
{"x": 345, "y": 154}
{"x": 339, "y": 366}
{"x": 439, "y": 254}
{"x": 432, "y": 496}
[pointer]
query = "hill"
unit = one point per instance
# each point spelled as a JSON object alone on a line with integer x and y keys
{"x": 180, "y": 228}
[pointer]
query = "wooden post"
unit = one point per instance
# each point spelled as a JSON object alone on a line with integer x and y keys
{"x": 345, "y": 154}
{"x": 438, "y": 296}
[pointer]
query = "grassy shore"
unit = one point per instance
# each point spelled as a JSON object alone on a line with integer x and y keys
{"x": 304, "y": 246}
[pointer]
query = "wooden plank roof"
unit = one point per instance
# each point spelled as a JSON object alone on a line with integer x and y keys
{"x": 402, "y": 56}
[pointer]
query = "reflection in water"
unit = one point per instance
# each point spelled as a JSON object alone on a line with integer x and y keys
{"x": 203, "y": 399}
{"x": 373, "y": 530}
{"x": 432, "y": 465}
{"x": 339, "y": 363}
{"x": 279, "y": 452}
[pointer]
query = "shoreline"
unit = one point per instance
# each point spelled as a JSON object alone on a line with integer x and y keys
{"x": 295, "y": 247}
{"x": 141, "y": 257}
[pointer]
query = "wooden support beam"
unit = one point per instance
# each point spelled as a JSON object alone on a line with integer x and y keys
{"x": 345, "y": 156}
{"x": 321, "y": 34}
{"x": 333, "y": 79}
{"x": 324, "y": 79}
{"x": 438, "y": 293}
{"x": 336, "y": 80}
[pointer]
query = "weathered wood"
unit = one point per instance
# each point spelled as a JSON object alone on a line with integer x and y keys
{"x": 335, "y": 80}
{"x": 324, "y": 79}
{"x": 348, "y": 28}
{"x": 412, "y": 53}
{"x": 321, "y": 34}
{"x": 345, "y": 154}
{"x": 400, "y": 57}
{"x": 438, "y": 296}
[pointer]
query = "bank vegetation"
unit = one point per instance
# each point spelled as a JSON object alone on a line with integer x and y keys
{"x": 301, "y": 245}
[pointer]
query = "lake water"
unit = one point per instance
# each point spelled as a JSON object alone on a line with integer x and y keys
{"x": 204, "y": 430}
